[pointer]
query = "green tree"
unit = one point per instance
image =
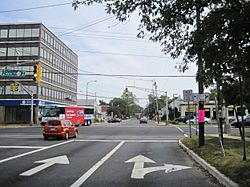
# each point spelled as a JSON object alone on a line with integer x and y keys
{"x": 223, "y": 39}
{"x": 101, "y": 102}
{"x": 125, "y": 106}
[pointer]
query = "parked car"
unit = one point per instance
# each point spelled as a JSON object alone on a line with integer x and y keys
{"x": 114, "y": 120}
{"x": 143, "y": 119}
{"x": 183, "y": 119}
{"x": 239, "y": 124}
{"x": 60, "y": 129}
{"x": 195, "y": 120}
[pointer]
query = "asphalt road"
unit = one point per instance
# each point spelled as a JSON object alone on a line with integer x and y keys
{"x": 105, "y": 155}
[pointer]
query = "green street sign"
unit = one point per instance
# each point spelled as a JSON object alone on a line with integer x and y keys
{"x": 12, "y": 73}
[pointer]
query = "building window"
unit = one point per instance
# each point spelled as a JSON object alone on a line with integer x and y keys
{"x": 27, "y": 33}
{"x": 34, "y": 51}
{"x": 3, "y": 33}
{"x": 35, "y": 32}
{"x": 3, "y": 51}
{"x": 20, "y": 33}
{"x": 12, "y": 33}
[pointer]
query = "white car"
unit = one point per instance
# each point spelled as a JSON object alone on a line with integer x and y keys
{"x": 195, "y": 120}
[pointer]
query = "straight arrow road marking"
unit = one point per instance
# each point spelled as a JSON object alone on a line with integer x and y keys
{"x": 47, "y": 163}
{"x": 139, "y": 171}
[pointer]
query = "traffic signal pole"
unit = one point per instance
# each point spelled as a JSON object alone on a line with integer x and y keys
{"x": 200, "y": 76}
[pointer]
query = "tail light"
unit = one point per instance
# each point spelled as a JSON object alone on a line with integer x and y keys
{"x": 62, "y": 128}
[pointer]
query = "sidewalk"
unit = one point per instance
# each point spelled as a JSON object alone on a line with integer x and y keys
{"x": 17, "y": 125}
{"x": 229, "y": 137}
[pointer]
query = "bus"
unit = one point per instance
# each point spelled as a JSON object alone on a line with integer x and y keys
{"x": 75, "y": 114}
{"x": 89, "y": 115}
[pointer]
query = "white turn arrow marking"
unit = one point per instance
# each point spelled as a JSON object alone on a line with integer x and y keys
{"x": 139, "y": 171}
{"x": 47, "y": 163}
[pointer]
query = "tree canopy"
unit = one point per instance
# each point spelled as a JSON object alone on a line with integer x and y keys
{"x": 224, "y": 35}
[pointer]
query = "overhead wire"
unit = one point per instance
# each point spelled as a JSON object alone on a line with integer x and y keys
{"x": 34, "y": 8}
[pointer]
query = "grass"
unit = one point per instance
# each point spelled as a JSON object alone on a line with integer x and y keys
{"x": 231, "y": 165}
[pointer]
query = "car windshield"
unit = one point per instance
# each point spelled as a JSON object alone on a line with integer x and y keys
{"x": 50, "y": 112}
{"x": 54, "y": 123}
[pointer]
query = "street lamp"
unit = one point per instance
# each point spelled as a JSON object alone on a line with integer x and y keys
{"x": 87, "y": 90}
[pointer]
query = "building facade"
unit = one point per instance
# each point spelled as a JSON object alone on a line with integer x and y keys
{"x": 21, "y": 47}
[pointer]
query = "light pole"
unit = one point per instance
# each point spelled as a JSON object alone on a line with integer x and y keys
{"x": 87, "y": 90}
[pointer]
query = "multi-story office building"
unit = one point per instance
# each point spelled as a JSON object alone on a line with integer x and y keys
{"x": 21, "y": 47}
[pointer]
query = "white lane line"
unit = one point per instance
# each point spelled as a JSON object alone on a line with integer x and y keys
{"x": 21, "y": 147}
{"x": 35, "y": 151}
{"x": 185, "y": 135}
{"x": 195, "y": 129}
{"x": 133, "y": 141}
{"x": 180, "y": 129}
{"x": 86, "y": 175}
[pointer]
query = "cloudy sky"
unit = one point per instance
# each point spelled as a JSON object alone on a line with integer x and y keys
{"x": 104, "y": 46}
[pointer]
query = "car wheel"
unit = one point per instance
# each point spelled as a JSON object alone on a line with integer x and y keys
{"x": 76, "y": 134}
{"x": 45, "y": 137}
{"x": 66, "y": 136}
{"x": 191, "y": 122}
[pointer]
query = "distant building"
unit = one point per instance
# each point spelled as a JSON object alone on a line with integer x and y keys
{"x": 21, "y": 47}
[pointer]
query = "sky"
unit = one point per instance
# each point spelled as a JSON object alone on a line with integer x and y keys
{"x": 105, "y": 46}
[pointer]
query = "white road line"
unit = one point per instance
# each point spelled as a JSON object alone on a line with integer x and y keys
{"x": 86, "y": 175}
{"x": 185, "y": 135}
{"x": 133, "y": 141}
{"x": 180, "y": 129}
{"x": 195, "y": 129}
{"x": 21, "y": 147}
{"x": 35, "y": 151}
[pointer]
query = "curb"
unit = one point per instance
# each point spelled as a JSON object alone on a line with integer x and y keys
{"x": 212, "y": 170}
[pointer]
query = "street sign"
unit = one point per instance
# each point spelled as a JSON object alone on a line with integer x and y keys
{"x": 188, "y": 95}
{"x": 13, "y": 73}
{"x": 201, "y": 97}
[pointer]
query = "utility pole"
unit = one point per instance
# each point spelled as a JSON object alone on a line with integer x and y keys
{"x": 200, "y": 73}
{"x": 157, "y": 106}
{"x": 167, "y": 108}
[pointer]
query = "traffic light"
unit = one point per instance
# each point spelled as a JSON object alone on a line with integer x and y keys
{"x": 16, "y": 87}
{"x": 126, "y": 91}
{"x": 12, "y": 87}
{"x": 37, "y": 73}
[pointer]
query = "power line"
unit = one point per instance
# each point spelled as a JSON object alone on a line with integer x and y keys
{"x": 123, "y": 54}
{"x": 127, "y": 75}
{"x": 34, "y": 8}
{"x": 88, "y": 25}
{"x": 98, "y": 31}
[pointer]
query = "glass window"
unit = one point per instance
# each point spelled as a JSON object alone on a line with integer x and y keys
{"x": 41, "y": 52}
{"x": 3, "y": 51}
{"x": 27, "y": 33}
{"x": 20, "y": 33}
{"x": 11, "y": 51}
{"x": 12, "y": 33}
{"x": 3, "y": 33}
{"x": 35, "y": 32}
{"x": 26, "y": 51}
{"x": 34, "y": 51}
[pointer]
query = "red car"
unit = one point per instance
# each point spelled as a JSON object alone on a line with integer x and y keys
{"x": 59, "y": 128}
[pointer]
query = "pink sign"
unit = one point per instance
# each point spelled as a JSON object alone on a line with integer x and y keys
{"x": 201, "y": 115}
